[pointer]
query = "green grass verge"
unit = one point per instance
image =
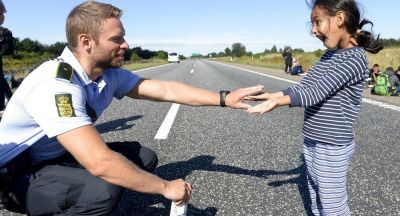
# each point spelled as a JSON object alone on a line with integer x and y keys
{"x": 133, "y": 66}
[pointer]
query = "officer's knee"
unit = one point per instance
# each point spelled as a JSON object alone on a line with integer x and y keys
{"x": 152, "y": 161}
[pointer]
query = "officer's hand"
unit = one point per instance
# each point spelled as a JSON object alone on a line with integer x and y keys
{"x": 234, "y": 99}
{"x": 179, "y": 191}
{"x": 262, "y": 96}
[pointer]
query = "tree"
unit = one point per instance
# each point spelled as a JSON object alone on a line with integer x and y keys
{"x": 134, "y": 56}
{"x": 29, "y": 45}
{"x": 274, "y": 49}
{"x": 162, "y": 54}
{"x": 57, "y": 48}
{"x": 238, "y": 50}
{"x": 228, "y": 51}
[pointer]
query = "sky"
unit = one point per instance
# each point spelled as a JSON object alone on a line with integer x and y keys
{"x": 197, "y": 26}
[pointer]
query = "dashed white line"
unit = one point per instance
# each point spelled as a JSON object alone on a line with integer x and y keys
{"x": 192, "y": 71}
{"x": 165, "y": 127}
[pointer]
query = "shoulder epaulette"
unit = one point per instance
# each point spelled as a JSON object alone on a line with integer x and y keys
{"x": 64, "y": 71}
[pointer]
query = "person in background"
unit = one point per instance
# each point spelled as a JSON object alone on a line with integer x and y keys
{"x": 53, "y": 157}
{"x": 373, "y": 73}
{"x": 5, "y": 91}
{"x": 297, "y": 67}
{"x": 288, "y": 60}
{"x": 394, "y": 80}
{"x": 331, "y": 94}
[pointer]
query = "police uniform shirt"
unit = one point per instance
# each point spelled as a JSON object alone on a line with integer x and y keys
{"x": 44, "y": 107}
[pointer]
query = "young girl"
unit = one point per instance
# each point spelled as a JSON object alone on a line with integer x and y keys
{"x": 331, "y": 93}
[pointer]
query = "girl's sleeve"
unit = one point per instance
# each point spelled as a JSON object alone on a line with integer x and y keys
{"x": 345, "y": 73}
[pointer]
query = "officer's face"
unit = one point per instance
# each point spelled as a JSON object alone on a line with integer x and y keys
{"x": 111, "y": 47}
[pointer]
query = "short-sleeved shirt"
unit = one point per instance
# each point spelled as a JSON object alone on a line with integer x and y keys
{"x": 45, "y": 106}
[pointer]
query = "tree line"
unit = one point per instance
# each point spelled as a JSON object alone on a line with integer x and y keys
{"x": 28, "y": 48}
{"x": 239, "y": 50}
{"x": 32, "y": 48}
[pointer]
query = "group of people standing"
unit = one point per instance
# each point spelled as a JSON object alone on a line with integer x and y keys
{"x": 292, "y": 65}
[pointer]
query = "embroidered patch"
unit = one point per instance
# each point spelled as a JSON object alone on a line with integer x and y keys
{"x": 64, "y": 105}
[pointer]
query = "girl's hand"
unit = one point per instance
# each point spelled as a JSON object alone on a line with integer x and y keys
{"x": 261, "y": 96}
{"x": 264, "y": 107}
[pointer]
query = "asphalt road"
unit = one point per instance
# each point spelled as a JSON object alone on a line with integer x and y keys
{"x": 242, "y": 164}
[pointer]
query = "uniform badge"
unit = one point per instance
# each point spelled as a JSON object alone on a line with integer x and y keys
{"x": 64, "y": 105}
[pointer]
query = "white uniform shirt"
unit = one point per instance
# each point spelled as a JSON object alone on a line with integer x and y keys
{"x": 33, "y": 117}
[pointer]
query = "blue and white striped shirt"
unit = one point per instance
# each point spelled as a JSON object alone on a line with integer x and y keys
{"x": 331, "y": 93}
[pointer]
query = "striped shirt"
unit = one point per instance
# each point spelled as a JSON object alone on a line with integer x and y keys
{"x": 331, "y": 93}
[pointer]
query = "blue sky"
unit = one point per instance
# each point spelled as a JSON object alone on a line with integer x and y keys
{"x": 203, "y": 26}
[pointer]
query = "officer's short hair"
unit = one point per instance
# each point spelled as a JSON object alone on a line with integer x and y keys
{"x": 87, "y": 18}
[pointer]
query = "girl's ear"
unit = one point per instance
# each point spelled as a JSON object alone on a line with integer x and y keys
{"x": 340, "y": 18}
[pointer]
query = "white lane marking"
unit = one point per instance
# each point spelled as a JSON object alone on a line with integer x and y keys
{"x": 365, "y": 100}
{"x": 150, "y": 68}
{"x": 165, "y": 127}
{"x": 192, "y": 71}
{"x": 278, "y": 78}
{"x": 381, "y": 104}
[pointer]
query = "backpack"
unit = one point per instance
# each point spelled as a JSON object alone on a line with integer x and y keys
{"x": 7, "y": 42}
{"x": 382, "y": 85}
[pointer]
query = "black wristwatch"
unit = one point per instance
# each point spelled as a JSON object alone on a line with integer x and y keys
{"x": 222, "y": 96}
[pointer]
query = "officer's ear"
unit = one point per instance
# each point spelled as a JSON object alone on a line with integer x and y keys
{"x": 85, "y": 42}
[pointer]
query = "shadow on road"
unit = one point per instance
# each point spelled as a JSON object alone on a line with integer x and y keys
{"x": 117, "y": 125}
{"x": 300, "y": 181}
{"x": 134, "y": 203}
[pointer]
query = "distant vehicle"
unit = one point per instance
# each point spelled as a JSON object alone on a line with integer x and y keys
{"x": 173, "y": 57}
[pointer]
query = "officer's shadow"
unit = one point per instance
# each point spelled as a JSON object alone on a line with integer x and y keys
{"x": 134, "y": 203}
{"x": 117, "y": 124}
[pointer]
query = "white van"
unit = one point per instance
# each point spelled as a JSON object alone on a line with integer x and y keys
{"x": 173, "y": 57}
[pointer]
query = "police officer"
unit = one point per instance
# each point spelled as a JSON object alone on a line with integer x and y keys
{"x": 49, "y": 123}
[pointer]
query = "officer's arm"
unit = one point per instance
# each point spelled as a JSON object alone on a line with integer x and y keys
{"x": 88, "y": 148}
{"x": 170, "y": 91}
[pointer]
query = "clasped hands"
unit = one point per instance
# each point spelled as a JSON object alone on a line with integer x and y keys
{"x": 255, "y": 93}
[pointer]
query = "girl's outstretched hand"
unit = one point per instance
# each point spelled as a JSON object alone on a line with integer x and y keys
{"x": 261, "y": 96}
{"x": 264, "y": 107}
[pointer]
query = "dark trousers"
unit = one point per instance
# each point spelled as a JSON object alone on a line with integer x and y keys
{"x": 5, "y": 90}
{"x": 288, "y": 68}
{"x": 63, "y": 187}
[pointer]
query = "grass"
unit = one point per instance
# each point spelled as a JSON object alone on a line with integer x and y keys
{"x": 133, "y": 66}
{"x": 388, "y": 57}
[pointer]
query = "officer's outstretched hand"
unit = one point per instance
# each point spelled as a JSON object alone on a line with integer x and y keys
{"x": 178, "y": 190}
{"x": 235, "y": 98}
